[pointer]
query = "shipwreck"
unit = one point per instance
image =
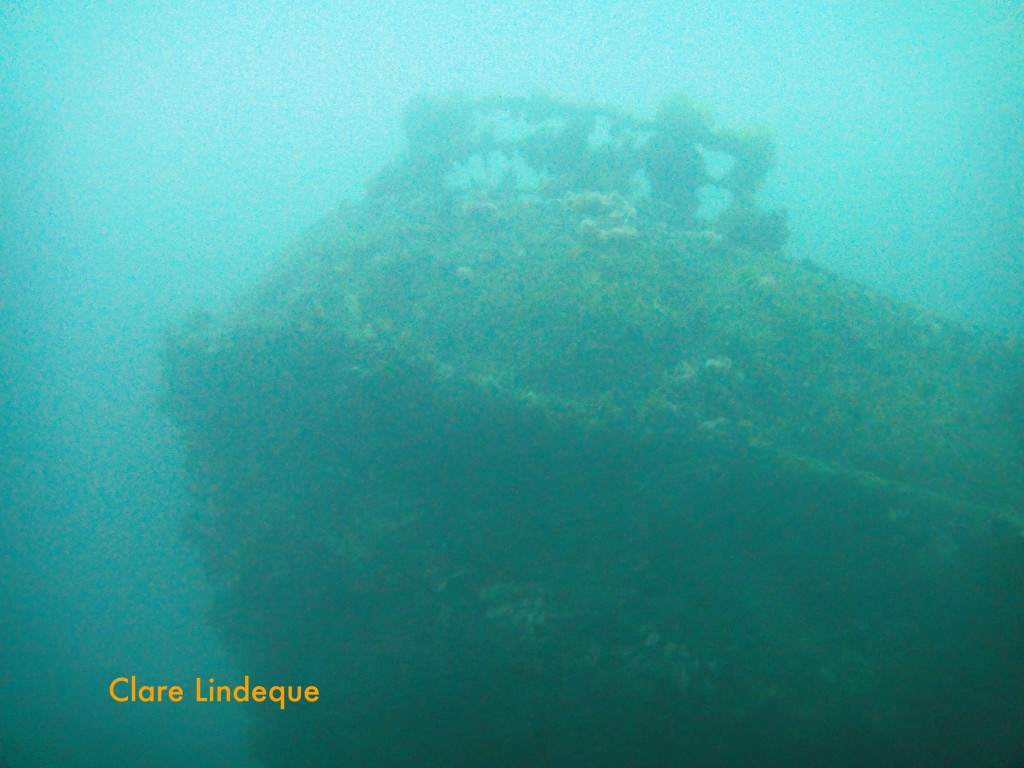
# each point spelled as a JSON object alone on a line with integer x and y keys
{"x": 544, "y": 453}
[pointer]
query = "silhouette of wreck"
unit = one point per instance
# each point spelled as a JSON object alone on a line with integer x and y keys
{"x": 544, "y": 453}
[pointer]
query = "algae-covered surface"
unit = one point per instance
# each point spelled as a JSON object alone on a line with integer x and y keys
{"x": 544, "y": 453}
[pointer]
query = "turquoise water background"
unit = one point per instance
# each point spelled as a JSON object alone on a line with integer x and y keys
{"x": 155, "y": 157}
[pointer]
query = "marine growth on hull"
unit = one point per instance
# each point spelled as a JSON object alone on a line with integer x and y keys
{"x": 544, "y": 453}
